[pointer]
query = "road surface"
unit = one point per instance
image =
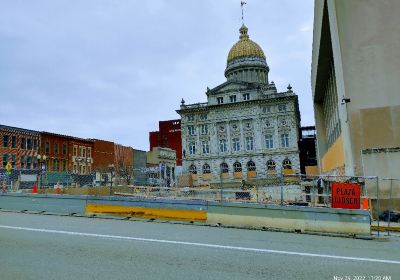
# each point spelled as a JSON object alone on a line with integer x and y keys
{"x": 57, "y": 247}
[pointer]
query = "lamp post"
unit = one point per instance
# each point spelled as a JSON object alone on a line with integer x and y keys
{"x": 112, "y": 170}
{"x": 42, "y": 167}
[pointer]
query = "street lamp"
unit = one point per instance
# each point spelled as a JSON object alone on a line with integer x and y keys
{"x": 42, "y": 166}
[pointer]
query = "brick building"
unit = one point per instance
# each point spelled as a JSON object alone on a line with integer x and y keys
{"x": 103, "y": 155}
{"x": 66, "y": 153}
{"x": 19, "y": 147}
{"x": 168, "y": 136}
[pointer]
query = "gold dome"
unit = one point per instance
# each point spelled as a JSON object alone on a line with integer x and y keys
{"x": 245, "y": 47}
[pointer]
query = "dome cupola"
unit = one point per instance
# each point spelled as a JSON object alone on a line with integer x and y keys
{"x": 246, "y": 60}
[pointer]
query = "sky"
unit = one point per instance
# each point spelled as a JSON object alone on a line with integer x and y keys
{"x": 111, "y": 69}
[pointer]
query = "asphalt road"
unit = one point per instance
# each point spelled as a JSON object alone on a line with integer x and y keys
{"x": 56, "y": 247}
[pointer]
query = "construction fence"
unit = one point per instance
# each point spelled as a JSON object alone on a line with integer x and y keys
{"x": 380, "y": 195}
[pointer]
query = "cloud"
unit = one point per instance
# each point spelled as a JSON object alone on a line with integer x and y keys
{"x": 112, "y": 69}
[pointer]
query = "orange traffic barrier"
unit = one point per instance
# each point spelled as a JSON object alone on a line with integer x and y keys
{"x": 34, "y": 189}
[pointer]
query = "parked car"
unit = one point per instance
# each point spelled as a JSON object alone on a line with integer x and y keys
{"x": 394, "y": 216}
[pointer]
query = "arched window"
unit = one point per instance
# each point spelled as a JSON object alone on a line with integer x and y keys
{"x": 251, "y": 166}
{"x": 206, "y": 169}
{"x": 237, "y": 167}
{"x": 193, "y": 169}
{"x": 224, "y": 167}
{"x": 287, "y": 164}
{"x": 271, "y": 165}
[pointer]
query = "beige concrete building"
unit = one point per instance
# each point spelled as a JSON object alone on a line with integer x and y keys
{"x": 355, "y": 84}
{"x": 164, "y": 160}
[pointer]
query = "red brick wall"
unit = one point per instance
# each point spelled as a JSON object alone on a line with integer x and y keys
{"x": 103, "y": 155}
{"x": 52, "y": 155}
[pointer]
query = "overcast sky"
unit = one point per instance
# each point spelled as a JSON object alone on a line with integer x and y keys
{"x": 111, "y": 69}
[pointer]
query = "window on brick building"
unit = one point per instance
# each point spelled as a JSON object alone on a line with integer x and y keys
{"x": 56, "y": 148}
{"x": 23, "y": 143}
{"x": 13, "y": 141}
{"x": 35, "y": 144}
{"x": 28, "y": 162}
{"x": 5, "y": 160}
{"x": 13, "y": 160}
{"x": 47, "y": 147}
{"x": 64, "y": 149}
{"x": 29, "y": 143}
{"x": 5, "y": 141}
{"x": 22, "y": 161}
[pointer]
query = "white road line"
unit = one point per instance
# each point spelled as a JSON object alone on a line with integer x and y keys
{"x": 201, "y": 244}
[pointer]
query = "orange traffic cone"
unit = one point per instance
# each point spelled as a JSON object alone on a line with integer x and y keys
{"x": 365, "y": 205}
{"x": 34, "y": 189}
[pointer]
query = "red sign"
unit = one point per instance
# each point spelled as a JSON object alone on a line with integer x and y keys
{"x": 346, "y": 195}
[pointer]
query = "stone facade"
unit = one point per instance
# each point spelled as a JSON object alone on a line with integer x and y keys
{"x": 246, "y": 130}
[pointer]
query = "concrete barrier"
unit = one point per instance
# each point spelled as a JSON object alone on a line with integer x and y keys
{"x": 246, "y": 215}
{"x": 167, "y": 209}
{"x": 293, "y": 218}
{"x": 44, "y": 202}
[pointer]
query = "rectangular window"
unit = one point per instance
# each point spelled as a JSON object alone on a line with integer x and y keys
{"x": 236, "y": 144}
{"x": 204, "y": 129}
{"x": 84, "y": 152}
{"x": 246, "y": 96}
{"x": 5, "y": 141}
{"x": 89, "y": 152}
{"x": 13, "y": 141}
{"x": 64, "y": 149}
{"x": 13, "y": 160}
{"x": 22, "y": 161}
{"x": 206, "y": 147}
{"x": 249, "y": 143}
{"x": 84, "y": 170}
{"x": 267, "y": 109}
{"x": 282, "y": 107}
{"x": 64, "y": 166}
{"x": 223, "y": 146}
{"x": 269, "y": 141}
{"x": 34, "y": 162}
{"x": 232, "y": 98}
{"x": 285, "y": 140}
{"x": 47, "y": 147}
{"x": 191, "y": 130}
{"x": 35, "y": 144}
{"x": 220, "y": 100}
{"x": 28, "y": 162}
{"x": 29, "y": 143}
{"x": 23, "y": 143}
{"x": 192, "y": 148}
{"x": 203, "y": 117}
{"x": 190, "y": 118}
{"x": 56, "y": 148}
{"x": 75, "y": 151}
{"x": 5, "y": 160}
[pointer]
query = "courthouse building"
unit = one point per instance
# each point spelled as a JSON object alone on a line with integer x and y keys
{"x": 246, "y": 130}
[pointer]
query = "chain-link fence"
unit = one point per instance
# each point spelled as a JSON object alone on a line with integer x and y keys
{"x": 380, "y": 195}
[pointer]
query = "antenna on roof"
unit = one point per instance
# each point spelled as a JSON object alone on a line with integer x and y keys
{"x": 242, "y": 3}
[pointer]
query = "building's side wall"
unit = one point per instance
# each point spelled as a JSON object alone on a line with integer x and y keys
{"x": 103, "y": 155}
